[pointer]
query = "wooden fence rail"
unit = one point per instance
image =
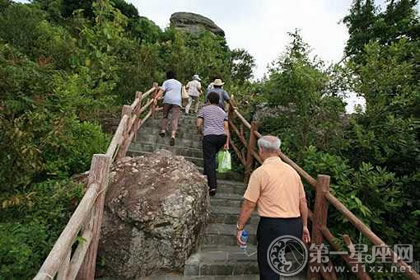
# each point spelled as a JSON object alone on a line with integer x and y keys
{"x": 84, "y": 225}
{"x": 323, "y": 198}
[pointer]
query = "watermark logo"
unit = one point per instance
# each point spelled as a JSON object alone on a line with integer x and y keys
{"x": 287, "y": 255}
{"x": 362, "y": 259}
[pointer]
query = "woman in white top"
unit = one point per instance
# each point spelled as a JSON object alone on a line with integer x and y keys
{"x": 171, "y": 104}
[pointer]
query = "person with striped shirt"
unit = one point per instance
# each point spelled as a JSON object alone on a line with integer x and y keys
{"x": 212, "y": 123}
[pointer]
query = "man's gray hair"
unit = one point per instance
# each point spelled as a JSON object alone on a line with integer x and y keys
{"x": 269, "y": 143}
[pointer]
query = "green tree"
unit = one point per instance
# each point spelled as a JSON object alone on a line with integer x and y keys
{"x": 366, "y": 24}
{"x": 242, "y": 66}
{"x": 360, "y": 23}
{"x": 210, "y": 56}
{"x": 144, "y": 30}
{"x": 20, "y": 26}
{"x": 298, "y": 86}
{"x": 387, "y": 133}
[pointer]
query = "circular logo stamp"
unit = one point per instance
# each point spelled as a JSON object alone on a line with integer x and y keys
{"x": 287, "y": 255}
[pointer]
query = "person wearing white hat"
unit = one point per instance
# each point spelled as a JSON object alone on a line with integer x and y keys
{"x": 194, "y": 90}
{"x": 218, "y": 88}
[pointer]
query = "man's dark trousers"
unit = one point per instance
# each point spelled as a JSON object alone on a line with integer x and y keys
{"x": 268, "y": 230}
{"x": 211, "y": 145}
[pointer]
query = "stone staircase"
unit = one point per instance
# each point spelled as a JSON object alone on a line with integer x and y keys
{"x": 218, "y": 256}
{"x": 187, "y": 144}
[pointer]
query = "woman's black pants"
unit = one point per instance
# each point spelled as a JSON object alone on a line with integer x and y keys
{"x": 268, "y": 230}
{"x": 211, "y": 145}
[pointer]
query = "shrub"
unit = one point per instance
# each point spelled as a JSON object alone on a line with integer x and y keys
{"x": 32, "y": 223}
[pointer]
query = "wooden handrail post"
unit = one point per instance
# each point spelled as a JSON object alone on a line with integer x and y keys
{"x": 126, "y": 110}
{"x": 230, "y": 112}
{"x": 139, "y": 95}
{"x": 153, "y": 108}
{"x": 319, "y": 220}
{"x": 230, "y": 118}
{"x": 99, "y": 173}
{"x": 249, "y": 154}
{"x": 241, "y": 132}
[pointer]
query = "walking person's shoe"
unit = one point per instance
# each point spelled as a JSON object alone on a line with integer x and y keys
{"x": 172, "y": 141}
{"x": 212, "y": 192}
{"x": 162, "y": 133}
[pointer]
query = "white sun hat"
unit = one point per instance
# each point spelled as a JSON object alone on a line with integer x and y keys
{"x": 218, "y": 82}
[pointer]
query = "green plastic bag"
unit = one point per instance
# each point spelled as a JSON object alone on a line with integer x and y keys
{"x": 224, "y": 160}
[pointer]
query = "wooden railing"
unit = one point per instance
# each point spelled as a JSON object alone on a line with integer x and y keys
{"x": 323, "y": 197}
{"x": 84, "y": 226}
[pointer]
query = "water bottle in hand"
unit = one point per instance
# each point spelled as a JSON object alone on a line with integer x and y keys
{"x": 244, "y": 238}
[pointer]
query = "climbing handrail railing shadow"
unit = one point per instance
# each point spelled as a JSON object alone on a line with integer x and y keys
{"x": 323, "y": 198}
{"x": 68, "y": 260}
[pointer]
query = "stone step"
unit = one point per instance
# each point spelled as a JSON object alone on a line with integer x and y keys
{"x": 228, "y": 215}
{"x": 196, "y": 161}
{"x": 157, "y": 123}
{"x": 182, "y": 117}
{"x": 152, "y": 135}
{"x": 225, "y": 187}
{"x": 179, "y": 141}
{"x": 219, "y": 234}
{"x": 186, "y": 132}
{"x": 174, "y": 276}
{"x": 182, "y": 121}
{"x": 232, "y": 183}
{"x": 177, "y": 276}
{"x": 236, "y": 177}
{"x": 230, "y": 260}
{"x": 189, "y": 131}
{"x": 225, "y": 199}
{"x": 177, "y": 150}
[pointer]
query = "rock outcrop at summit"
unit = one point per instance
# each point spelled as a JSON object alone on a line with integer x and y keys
{"x": 194, "y": 23}
{"x": 155, "y": 210}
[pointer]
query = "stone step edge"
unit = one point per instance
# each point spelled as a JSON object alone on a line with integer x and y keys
{"x": 167, "y": 145}
{"x": 195, "y": 277}
{"x": 231, "y": 183}
{"x": 144, "y": 153}
{"x": 228, "y": 229}
{"x": 228, "y": 210}
{"x": 212, "y": 249}
{"x": 205, "y": 255}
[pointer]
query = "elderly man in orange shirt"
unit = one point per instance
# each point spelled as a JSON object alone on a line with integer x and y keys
{"x": 277, "y": 190}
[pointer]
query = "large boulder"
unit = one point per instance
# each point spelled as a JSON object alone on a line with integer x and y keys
{"x": 194, "y": 23}
{"x": 155, "y": 211}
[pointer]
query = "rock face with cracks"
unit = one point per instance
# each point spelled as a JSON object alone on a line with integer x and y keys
{"x": 194, "y": 23}
{"x": 155, "y": 210}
